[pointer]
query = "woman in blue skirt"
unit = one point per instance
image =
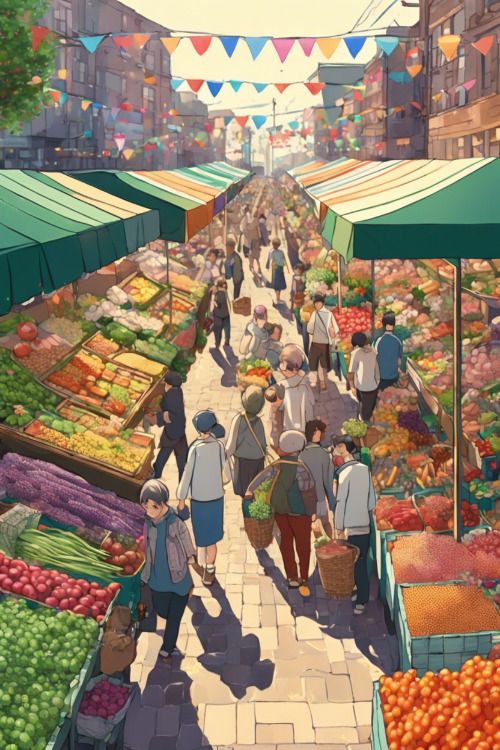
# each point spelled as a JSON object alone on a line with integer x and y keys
{"x": 202, "y": 481}
{"x": 277, "y": 262}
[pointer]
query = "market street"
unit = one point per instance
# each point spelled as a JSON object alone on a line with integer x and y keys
{"x": 262, "y": 667}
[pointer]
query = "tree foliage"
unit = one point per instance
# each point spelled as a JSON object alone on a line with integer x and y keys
{"x": 24, "y": 74}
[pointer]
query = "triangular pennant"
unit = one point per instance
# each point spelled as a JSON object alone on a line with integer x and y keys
{"x": 328, "y": 45}
{"x": 170, "y": 43}
{"x": 307, "y": 44}
{"x": 412, "y": 52}
{"x": 195, "y": 84}
{"x": 139, "y": 40}
{"x": 256, "y": 44}
{"x": 484, "y": 44}
{"x": 63, "y": 98}
{"x": 242, "y": 120}
{"x": 38, "y": 34}
{"x": 259, "y": 87}
{"x": 235, "y": 85}
{"x": 281, "y": 86}
{"x": 229, "y": 43}
{"x": 149, "y": 78}
{"x": 259, "y": 120}
{"x": 354, "y": 44}
{"x": 387, "y": 44}
{"x": 283, "y": 47}
{"x": 437, "y": 97}
{"x": 214, "y": 87}
{"x": 201, "y": 43}
{"x": 400, "y": 76}
{"x": 56, "y": 95}
{"x": 358, "y": 96}
{"x": 417, "y": 105}
{"x": 448, "y": 45}
{"x": 114, "y": 112}
{"x": 469, "y": 84}
{"x": 228, "y": 119}
{"x": 294, "y": 124}
{"x": 97, "y": 106}
{"x": 85, "y": 104}
{"x": 128, "y": 153}
{"x": 125, "y": 42}
{"x": 91, "y": 43}
{"x": 62, "y": 74}
{"x": 314, "y": 86}
{"x": 414, "y": 70}
{"x": 176, "y": 82}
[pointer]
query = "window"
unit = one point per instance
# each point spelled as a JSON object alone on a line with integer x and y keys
{"x": 148, "y": 94}
{"x": 461, "y": 148}
{"x": 79, "y": 67}
{"x": 459, "y": 22}
{"x": 165, "y": 64}
{"x": 478, "y": 144}
{"x": 437, "y": 55}
{"x": 485, "y": 71}
{"x": 461, "y": 97}
{"x": 124, "y": 21}
{"x": 63, "y": 20}
{"x": 461, "y": 64}
{"x": 124, "y": 86}
{"x": 149, "y": 60}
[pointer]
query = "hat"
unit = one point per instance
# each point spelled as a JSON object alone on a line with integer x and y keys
{"x": 173, "y": 378}
{"x": 206, "y": 422}
{"x": 252, "y": 399}
{"x": 319, "y": 297}
{"x": 292, "y": 441}
{"x": 260, "y": 311}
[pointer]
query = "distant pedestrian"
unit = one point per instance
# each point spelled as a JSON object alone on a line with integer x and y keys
{"x": 211, "y": 269}
{"x": 246, "y": 442}
{"x": 319, "y": 462}
{"x": 273, "y": 224}
{"x": 277, "y": 261}
{"x": 264, "y": 233}
{"x": 297, "y": 300}
{"x": 364, "y": 374}
{"x": 389, "y": 353}
{"x": 323, "y": 331}
{"x": 221, "y": 311}
{"x": 255, "y": 336}
{"x": 244, "y": 230}
{"x": 292, "y": 243}
{"x": 355, "y": 502}
{"x": 233, "y": 267}
{"x": 172, "y": 418}
{"x": 274, "y": 345}
{"x": 203, "y": 482}
{"x": 294, "y": 390}
{"x": 254, "y": 237}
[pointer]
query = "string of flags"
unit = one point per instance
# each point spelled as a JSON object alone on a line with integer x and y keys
{"x": 214, "y": 87}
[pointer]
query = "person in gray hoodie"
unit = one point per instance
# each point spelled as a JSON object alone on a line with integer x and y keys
{"x": 319, "y": 463}
{"x": 355, "y": 502}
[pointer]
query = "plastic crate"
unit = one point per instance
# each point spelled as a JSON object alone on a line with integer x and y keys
{"x": 379, "y": 737}
{"x": 435, "y": 652}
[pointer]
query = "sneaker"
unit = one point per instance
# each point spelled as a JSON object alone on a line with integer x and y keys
{"x": 293, "y": 584}
{"x": 208, "y": 577}
{"x": 354, "y": 597}
{"x": 304, "y": 590}
{"x": 359, "y": 609}
{"x": 169, "y": 654}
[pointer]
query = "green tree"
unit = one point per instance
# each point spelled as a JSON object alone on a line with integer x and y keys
{"x": 24, "y": 74}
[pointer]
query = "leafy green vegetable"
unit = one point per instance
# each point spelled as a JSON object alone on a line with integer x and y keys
{"x": 355, "y": 428}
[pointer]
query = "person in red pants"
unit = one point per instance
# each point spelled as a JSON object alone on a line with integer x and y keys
{"x": 292, "y": 495}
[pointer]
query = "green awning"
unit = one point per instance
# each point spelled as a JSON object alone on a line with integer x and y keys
{"x": 53, "y": 229}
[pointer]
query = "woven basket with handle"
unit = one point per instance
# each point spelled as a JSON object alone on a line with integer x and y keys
{"x": 260, "y": 533}
{"x": 337, "y": 571}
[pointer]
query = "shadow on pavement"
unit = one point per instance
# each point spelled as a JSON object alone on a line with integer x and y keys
{"x": 228, "y": 379}
{"x": 228, "y": 653}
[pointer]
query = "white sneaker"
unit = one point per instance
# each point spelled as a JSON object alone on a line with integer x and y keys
{"x": 359, "y": 609}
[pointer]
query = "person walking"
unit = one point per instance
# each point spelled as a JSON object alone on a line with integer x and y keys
{"x": 221, "y": 311}
{"x": 233, "y": 267}
{"x": 273, "y": 224}
{"x": 203, "y": 481}
{"x": 297, "y": 300}
{"x": 244, "y": 230}
{"x": 293, "y": 499}
{"x": 253, "y": 233}
{"x": 355, "y": 502}
{"x": 172, "y": 418}
{"x": 319, "y": 463}
{"x": 292, "y": 243}
{"x": 264, "y": 233}
{"x": 389, "y": 350}
{"x": 364, "y": 374}
{"x": 255, "y": 336}
{"x": 246, "y": 442}
{"x": 323, "y": 331}
{"x": 211, "y": 269}
{"x": 166, "y": 580}
{"x": 294, "y": 390}
{"x": 276, "y": 260}
{"x": 274, "y": 345}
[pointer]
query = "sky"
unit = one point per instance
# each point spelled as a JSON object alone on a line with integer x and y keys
{"x": 268, "y": 18}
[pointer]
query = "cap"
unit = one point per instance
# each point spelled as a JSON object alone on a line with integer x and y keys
{"x": 206, "y": 422}
{"x": 292, "y": 441}
{"x": 173, "y": 378}
{"x": 319, "y": 297}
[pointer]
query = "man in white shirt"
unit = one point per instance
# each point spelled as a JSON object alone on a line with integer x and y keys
{"x": 364, "y": 374}
{"x": 212, "y": 268}
{"x": 323, "y": 331}
{"x": 294, "y": 390}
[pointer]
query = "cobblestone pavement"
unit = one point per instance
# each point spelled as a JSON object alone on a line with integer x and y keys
{"x": 262, "y": 667}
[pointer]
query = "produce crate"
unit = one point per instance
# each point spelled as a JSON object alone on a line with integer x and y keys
{"x": 379, "y": 737}
{"x": 13, "y": 522}
{"x": 125, "y": 284}
{"x": 435, "y": 652}
{"x": 59, "y": 736}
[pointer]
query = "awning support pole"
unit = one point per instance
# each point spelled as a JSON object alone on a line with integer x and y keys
{"x": 373, "y": 298}
{"x": 339, "y": 282}
{"x": 457, "y": 400}
{"x": 167, "y": 255}
{"x": 225, "y": 227}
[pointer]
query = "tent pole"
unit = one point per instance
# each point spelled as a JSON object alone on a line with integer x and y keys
{"x": 373, "y": 298}
{"x": 339, "y": 282}
{"x": 225, "y": 226}
{"x": 457, "y": 400}
{"x": 167, "y": 256}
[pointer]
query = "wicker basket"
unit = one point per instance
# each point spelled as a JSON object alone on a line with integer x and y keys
{"x": 242, "y": 306}
{"x": 337, "y": 571}
{"x": 260, "y": 533}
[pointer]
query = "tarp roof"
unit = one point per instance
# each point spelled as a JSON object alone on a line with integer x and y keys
{"x": 411, "y": 209}
{"x": 187, "y": 199}
{"x": 54, "y": 228}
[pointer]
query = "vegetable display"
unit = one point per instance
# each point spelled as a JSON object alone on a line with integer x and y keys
{"x": 254, "y": 371}
{"x": 141, "y": 290}
{"x": 260, "y": 510}
{"x": 66, "y": 497}
{"x": 355, "y": 428}
{"x": 41, "y": 652}
{"x": 20, "y": 394}
{"x": 105, "y": 699}
{"x": 126, "y": 552}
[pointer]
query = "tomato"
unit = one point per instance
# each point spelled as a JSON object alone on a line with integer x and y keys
{"x": 87, "y": 601}
{"x": 27, "y": 331}
{"x": 116, "y": 549}
{"x": 22, "y": 350}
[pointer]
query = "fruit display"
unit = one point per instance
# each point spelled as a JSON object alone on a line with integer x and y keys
{"x": 448, "y": 608}
{"x": 485, "y": 548}
{"x": 139, "y": 363}
{"x": 41, "y": 653}
{"x": 400, "y": 515}
{"x": 102, "y": 345}
{"x": 492, "y": 518}
{"x": 20, "y": 394}
{"x": 254, "y": 371}
{"x": 351, "y": 320}
{"x": 66, "y": 497}
{"x": 141, "y": 290}
{"x": 452, "y": 710}
{"x": 185, "y": 284}
{"x": 355, "y": 428}
{"x": 105, "y": 699}
{"x": 126, "y": 552}
{"x": 436, "y": 512}
{"x": 55, "y": 588}
{"x": 100, "y": 383}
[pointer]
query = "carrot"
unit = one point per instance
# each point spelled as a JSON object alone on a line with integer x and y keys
{"x": 392, "y": 476}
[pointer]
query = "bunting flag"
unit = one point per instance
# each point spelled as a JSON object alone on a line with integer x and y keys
{"x": 63, "y": 98}
{"x": 56, "y": 95}
{"x": 328, "y": 46}
{"x": 484, "y": 44}
{"x": 62, "y": 74}
{"x": 437, "y": 97}
{"x": 256, "y": 44}
{"x": 235, "y": 85}
{"x": 201, "y": 43}
{"x": 128, "y": 153}
{"x": 259, "y": 87}
{"x": 281, "y": 86}
{"x": 114, "y": 112}
{"x": 227, "y": 120}
{"x": 125, "y": 42}
{"x": 195, "y": 84}
{"x": 139, "y": 40}
{"x": 149, "y": 78}
{"x": 242, "y": 120}
{"x": 91, "y": 43}
{"x": 469, "y": 84}
{"x": 214, "y": 87}
{"x": 283, "y": 47}
{"x": 259, "y": 120}
{"x": 354, "y": 44}
{"x": 412, "y": 52}
{"x": 314, "y": 86}
{"x": 400, "y": 76}
{"x": 387, "y": 44}
{"x": 176, "y": 82}
{"x": 96, "y": 106}
{"x": 307, "y": 45}
{"x": 417, "y": 105}
{"x": 448, "y": 45}
{"x": 170, "y": 43}
{"x": 414, "y": 70}
{"x": 358, "y": 96}
{"x": 85, "y": 104}
{"x": 229, "y": 43}
{"x": 119, "y": 139}
{"x": 294, "y": 124}
{"x": 38, "y": 34}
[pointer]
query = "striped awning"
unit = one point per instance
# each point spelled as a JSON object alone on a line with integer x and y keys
{"x": 411, "y": 209}
{"x": 320, "y": 174}
{"x": 54, "y": 228}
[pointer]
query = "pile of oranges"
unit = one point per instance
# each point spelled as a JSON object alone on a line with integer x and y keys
{"x": 448, "y": 710}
